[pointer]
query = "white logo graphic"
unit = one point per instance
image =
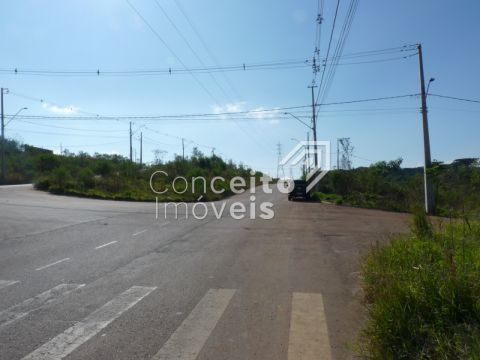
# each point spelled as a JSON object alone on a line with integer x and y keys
{"x": 304, "y": 152}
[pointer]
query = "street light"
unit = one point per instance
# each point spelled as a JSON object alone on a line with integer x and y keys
{"x": 297, "y": 118}
{"x": 428, "y": 86}
{"x": 14, "y": 116}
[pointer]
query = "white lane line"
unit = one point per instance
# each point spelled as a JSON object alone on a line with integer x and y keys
{"x": 22, "y": 309}
{"x": 188, "y": 340}
{"x": 66, "y": 342}
{"x": 52, "y": 264}
{"x": 308, "y": 328}
{"x": 107, "y": 244}
{"x": 5, "y": 283}
{"x": 140, "y": 232}
{"x": 161, "y": 225}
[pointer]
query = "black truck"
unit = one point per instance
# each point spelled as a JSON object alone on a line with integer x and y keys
{"x": 299, "y": 191}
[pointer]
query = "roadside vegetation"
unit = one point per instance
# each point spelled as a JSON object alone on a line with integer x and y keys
{"x": 388, "y": 186}
{"x": 422, "y": 294}
{"x": 115, "y": 177}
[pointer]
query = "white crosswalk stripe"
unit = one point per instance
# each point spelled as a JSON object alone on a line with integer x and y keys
{"x": 308, "y": 334}
{"x": 18, "y": 311}
{"x": 65, "y": 343}
{"x": 5, "y": 283}
{"x": 308, "y": 328}
{"x": 188, "y": 340}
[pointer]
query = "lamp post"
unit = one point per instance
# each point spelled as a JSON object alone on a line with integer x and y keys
{"x": 298, "y": 119}
{"x": 3, "y": 136}
{"x": 307, "y": 151}
{"x": 428, "y": 86}
{"x": 429, "y": 198}
{"x": 14, "y": 116}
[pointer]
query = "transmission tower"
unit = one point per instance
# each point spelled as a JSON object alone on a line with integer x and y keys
{"x": 344, "y": 154}
{"x": 279, "y": 160}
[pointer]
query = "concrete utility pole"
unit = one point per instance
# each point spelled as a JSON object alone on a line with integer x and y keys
{"x": 3, "y": 137}
{"x": 141, "y": 148}
{"x": 338, "y": 154}
{"x": 183, "y": 149}
{"x": 131, "y": 142}
{"x": 314, "y": 126}
{"x": 308, "y": 151}
{"x": 429, "y": 198}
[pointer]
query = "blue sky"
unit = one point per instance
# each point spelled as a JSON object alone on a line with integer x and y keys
{"x": 109, "y": 35}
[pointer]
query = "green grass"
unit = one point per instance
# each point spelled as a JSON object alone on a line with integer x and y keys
{"x": 422, "y": 294}
{"x": 329, "y": 198}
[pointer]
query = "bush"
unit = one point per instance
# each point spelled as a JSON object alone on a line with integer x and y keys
{"x": 422, "y": 294}
{"x": 59, "y": 180}
{"x": 387, "y": 186}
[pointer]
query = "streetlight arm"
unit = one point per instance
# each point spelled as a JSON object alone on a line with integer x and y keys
{"x": 13, "y": 117}
{"x": 428, "y": 86}
{"x": 304, "y": 123}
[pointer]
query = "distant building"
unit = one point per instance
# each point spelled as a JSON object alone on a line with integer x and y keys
{"x": 33, "y": 150}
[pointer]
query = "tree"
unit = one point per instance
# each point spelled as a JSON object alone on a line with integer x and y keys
{"x": 158, "y": 156}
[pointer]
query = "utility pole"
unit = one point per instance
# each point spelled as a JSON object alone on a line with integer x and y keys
{"x": 141, "y": 149}
{"x": 131, "y": 142}
{"x": 3, "y": 137}
{"x": 183, "y": 149}
{"x": 304, "y": 172}
{"x": 429, "y": 198}
{"x": 314, "y": 125}
{"x": 308, "y": 152}
{"x": 338, "y": 154}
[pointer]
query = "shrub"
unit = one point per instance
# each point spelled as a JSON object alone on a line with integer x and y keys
{"x": 422, "y": 295}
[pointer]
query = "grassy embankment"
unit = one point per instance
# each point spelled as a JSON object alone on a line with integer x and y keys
{"x": 422, "y": 293}
{"x": 387, "y": 186}
{"x": 115, "y": 177}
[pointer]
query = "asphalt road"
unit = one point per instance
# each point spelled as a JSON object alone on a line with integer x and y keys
{"x": 91, "y": 279}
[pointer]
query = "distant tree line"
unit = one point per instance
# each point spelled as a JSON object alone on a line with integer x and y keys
{"x": 388, "y": 186}
{"x": 116, "y": 177}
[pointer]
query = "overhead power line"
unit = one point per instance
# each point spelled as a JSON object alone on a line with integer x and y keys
{"x": 172, "y": 52}
{"x": 205, "y": 46}
{"x": 286, "y": 64}
{"x": 69, "y": 128}
{"x": 329, "y": 43}
{"x": 369, "y": 100}
{"x": 219, "y": 115}
{"x": 455, "y": 98}
{"x": 77, "y": 146}
{"x": 251, "y": 136}
{"x": 280, "y": 65}
{"x": 325, "y": 85}
{"x": 191, "y": 48}
{"x": 69, "y": 134}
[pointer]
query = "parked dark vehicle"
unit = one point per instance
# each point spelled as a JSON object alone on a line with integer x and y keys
{"x": 299, "y": 191}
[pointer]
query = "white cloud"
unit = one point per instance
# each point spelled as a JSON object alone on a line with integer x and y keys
{"x": 258, "y": 113}
{"x": 67, "y": 110}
